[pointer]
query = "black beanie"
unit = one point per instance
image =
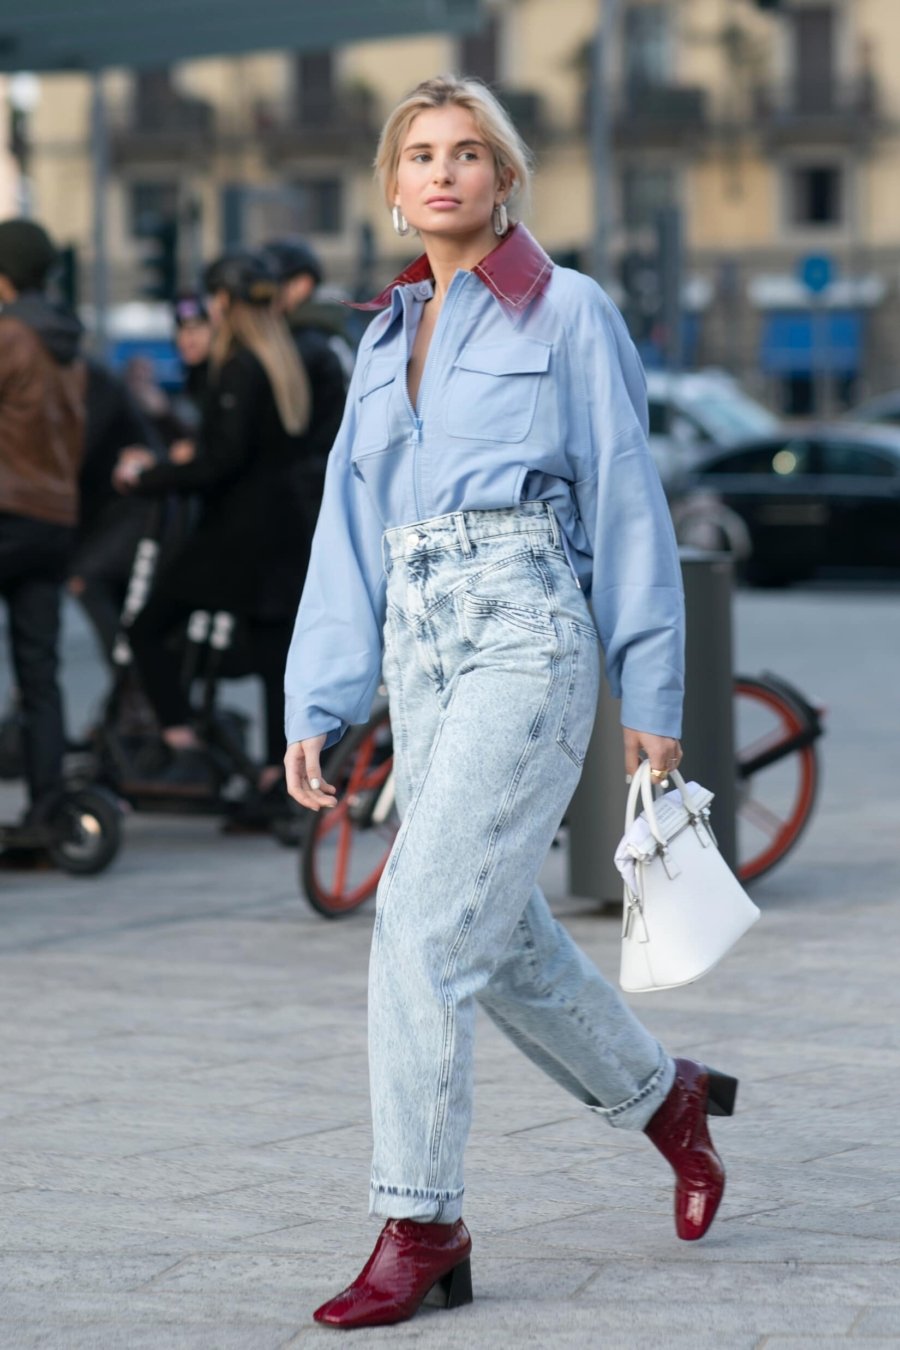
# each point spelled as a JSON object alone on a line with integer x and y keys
{"x": 27, "y": 254}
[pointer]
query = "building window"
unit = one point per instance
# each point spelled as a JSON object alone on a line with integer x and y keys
{"x": 478, "y": 52}
{"x": 318, "y": 205}
{"x": 813, "y": 32}
{"x": 149, "y": 204}
{"x": 816, "y": 195}
{"x": 315, "y": 88}
{"x": 154, "y": 95}
{"x": 647, "y": 46}
{"x": 644, "y": 194}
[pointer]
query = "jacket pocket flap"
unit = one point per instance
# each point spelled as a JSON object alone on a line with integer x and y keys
{"x": 380, "y": 371}
{"x": 524, "y": 356}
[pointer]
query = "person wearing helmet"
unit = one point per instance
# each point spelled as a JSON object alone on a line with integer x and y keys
{"x": 193, "y": 335}
{"x": 249, "y": 550}
{"x": 301, "y": 272}
{"x": 319, "y": 330}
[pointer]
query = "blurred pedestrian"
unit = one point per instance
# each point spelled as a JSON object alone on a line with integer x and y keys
{"x": 249, "y": 551}
{"x": 108, "y": 526}
{"x": 155, "y": 403}
{"x": 42, "y": 422}
{"x": 320, "y": 332}
{"x": 491, "y": 504}
{"x": 300, "y": 300}
{"x": 193, "y": 338}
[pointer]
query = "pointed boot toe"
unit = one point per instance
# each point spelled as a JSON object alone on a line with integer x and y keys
{"x": 411, "y": 1262}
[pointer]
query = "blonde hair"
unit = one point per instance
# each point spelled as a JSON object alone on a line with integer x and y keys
{"x": 267, "y": 336}
{"x": 511, "y": 154}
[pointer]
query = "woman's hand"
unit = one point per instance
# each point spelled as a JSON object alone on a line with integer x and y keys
{"x": 130, "y": 465}
{"x": 304, "y": 776}
{"x": 663, "y": 752}
{"x": 182, "y": 452}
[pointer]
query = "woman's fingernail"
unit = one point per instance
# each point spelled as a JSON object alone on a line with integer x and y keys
{"x": 628, "y": 778}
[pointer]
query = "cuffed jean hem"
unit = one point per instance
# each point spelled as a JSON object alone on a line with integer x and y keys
{"x": 404, "y": 1202}
{"x": 640, "y": 1109}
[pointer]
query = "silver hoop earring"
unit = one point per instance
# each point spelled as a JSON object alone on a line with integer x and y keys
{"x": 501, "y": 219}
{"x": 401, "y": 224}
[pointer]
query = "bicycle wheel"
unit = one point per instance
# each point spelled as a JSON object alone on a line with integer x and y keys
{"x": 347, "y": 846}
{"x": 778, "y": 774}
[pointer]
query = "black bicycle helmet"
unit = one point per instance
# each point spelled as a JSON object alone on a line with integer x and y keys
{"x": 244, "y": 275}
{"x": 293, "y": 257}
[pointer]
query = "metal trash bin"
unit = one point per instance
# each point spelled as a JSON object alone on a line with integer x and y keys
{"x": 597, "y": 809}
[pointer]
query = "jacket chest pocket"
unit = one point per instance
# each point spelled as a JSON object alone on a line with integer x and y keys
{"x": 493, "y": 390}
{"x": 373, "y": 426}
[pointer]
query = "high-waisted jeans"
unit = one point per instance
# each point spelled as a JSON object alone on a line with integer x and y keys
{"x": 492, "y": 667}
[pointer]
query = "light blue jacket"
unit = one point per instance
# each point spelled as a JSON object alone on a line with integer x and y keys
{"x": 532, "y": 390}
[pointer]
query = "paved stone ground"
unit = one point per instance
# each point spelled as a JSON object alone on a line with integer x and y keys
{"x": 184, "y": 1128}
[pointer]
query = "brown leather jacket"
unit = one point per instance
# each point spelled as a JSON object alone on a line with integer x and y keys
{"x": 42, "y": 412}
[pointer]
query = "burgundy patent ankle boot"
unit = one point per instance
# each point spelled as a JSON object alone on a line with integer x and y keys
{"x": 409, "y": 1261}
{"x": 680, "y": 1133}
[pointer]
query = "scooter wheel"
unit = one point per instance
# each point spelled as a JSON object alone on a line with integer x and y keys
{"x": 87, "y": 825}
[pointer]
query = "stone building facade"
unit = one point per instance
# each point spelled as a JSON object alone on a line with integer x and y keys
{"x": 775, "y": 132}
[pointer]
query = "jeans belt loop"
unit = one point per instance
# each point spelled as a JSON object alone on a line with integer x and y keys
{"x": 465, "y": 542}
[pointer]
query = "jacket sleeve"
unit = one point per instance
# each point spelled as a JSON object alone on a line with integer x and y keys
{"x": 334, "y": 662}
{"x": 226, "y": 435}
{"x": 329, "y": 389}
{"x": 16, "y": 357}
{"x": 636, "y": 592}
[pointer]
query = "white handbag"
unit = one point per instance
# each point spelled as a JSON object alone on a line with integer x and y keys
{"x": 687, "y": 908}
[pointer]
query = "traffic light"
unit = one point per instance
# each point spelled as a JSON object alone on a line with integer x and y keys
{"x": 161, "y": 265}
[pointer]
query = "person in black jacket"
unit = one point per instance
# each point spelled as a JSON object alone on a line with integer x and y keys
{"x": 108, "y": 527}
{"x": 319, "y": 330}
{"x": 193, "y": 336}
{"x": 248, "y": 554}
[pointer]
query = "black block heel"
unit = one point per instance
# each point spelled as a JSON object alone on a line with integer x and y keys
{"x": 721, "y": 1093}
{"x": 456, "y": 1285}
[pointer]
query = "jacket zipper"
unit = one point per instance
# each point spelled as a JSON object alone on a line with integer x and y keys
{"x": 416, "y": 436}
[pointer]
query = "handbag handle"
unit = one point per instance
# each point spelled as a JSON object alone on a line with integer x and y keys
{"x": 643, "y": 784}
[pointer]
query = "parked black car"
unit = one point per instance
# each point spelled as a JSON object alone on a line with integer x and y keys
{"x": 821, "y": 497}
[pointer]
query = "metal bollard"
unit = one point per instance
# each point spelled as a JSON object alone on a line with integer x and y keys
{"x": 708, "y": 735}
{"x": 596, "y": 812}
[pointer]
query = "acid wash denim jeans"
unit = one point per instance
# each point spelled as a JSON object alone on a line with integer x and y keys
{"x": 492, "y": 667}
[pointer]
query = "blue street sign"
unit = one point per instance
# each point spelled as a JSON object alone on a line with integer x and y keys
{"x": 817, "y": 272}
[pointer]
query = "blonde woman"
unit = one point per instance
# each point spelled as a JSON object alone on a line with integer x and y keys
{"x": 248, "y": 553}
{"x": 491, "y": 516}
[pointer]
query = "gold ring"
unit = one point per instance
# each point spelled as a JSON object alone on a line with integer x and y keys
{"x": 659, "y": 773}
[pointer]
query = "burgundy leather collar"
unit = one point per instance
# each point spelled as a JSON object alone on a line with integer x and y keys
{"x": 515, "y": 272}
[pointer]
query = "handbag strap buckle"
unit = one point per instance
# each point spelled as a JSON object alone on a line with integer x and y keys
{"x": 705, "y": 835}
{"x": 669, "y": 863}
{"x": 634, "y": 919}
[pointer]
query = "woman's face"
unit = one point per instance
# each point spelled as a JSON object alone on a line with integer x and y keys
{"x": 192, "y": 340}
{"x": 447, "y": 183}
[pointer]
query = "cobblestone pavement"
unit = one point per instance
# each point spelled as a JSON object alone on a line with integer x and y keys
{"x": 184, "y": 1129}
